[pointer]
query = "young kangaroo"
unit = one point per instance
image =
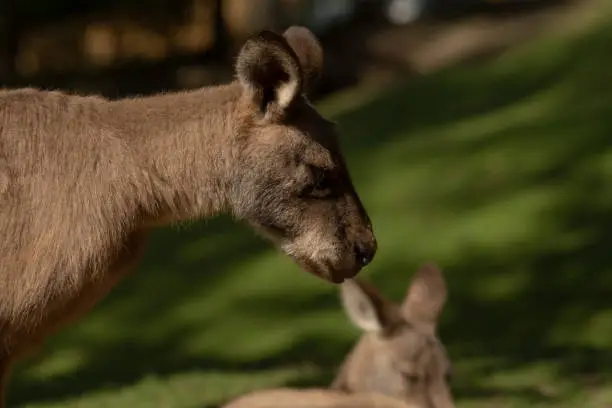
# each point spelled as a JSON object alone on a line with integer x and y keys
{"x": 83, "y": 179}
{"x": 398, "y": 361}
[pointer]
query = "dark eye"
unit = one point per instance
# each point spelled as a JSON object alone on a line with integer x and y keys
{"x": 321, "y": 186}
{"x": 448, "y": 376}
{"x": 412, "y": 378}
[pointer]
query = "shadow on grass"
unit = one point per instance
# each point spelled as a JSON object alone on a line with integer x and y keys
{"x": 507, "y": 163}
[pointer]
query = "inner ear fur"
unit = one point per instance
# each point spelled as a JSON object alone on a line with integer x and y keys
{"x": 368, "y": 309}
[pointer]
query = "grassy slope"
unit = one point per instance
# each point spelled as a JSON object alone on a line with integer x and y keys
{"x": 499, "y": 172}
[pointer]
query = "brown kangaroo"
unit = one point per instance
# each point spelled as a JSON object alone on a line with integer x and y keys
{"x": 83, "y": 179}
{"x": 398, "y": 361}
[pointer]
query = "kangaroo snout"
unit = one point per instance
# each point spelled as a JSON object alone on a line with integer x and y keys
{"x": 366, "y": 249}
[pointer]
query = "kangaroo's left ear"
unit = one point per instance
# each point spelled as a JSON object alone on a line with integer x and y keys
{"x": 367, "y": 308}
{"x": 269, "y": 72}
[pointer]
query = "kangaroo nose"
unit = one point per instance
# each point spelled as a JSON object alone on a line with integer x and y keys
{"x": 365, "y": 252}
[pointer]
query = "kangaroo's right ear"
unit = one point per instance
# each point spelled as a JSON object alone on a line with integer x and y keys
{"x": 367, "y": 308}
{"x": 270, "y": 72}
{"x": 426, "y": 296}
{"x": 309, "y": 52}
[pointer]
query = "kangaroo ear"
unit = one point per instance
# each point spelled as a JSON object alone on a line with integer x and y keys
{"x": 367, "y": 308}
{"x": 426, "y": 296}
{"x": 269, "y": 71}
{"x": 309, "y": 52}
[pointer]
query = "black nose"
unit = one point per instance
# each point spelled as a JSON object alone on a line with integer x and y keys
{"x": 365, "y": 252}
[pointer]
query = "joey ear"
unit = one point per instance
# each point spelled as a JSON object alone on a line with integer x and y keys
{"x": 309, "y": 52}
{"x": 270, "y": 72}
{"x": 367, "y": 308}
{"x": 426, "y": 295}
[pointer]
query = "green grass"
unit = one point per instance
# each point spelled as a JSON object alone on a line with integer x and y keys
{"x": 499, "y": 171}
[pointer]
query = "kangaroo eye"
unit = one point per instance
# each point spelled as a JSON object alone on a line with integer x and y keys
{"x": 324, "y": 182}
{"x": 412, "y": 378}
{"x": 410, "y": 375}
{"x": 321, "y": 186}
{"x": 408, "y": 372}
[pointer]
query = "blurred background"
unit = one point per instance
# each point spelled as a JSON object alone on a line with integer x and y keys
{"x": 478, "y": 134}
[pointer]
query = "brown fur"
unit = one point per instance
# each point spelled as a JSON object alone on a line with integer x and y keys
{"x": 83, "y": 179}
{"x": 315, "y": 398}
{"x": 398, "y": 362}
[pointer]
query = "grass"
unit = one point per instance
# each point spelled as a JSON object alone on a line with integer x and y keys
{"x": 498, "y": 171}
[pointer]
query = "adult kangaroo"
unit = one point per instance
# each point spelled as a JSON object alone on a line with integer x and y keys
{"x": 83, "y": 179}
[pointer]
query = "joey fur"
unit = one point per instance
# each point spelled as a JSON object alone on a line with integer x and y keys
{"x": 399, "y": 361}
{"x": 83, "y": 179}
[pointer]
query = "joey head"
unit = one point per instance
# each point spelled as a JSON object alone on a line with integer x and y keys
{"x": 399, "y": 361}
{"x": 399, "y": 354}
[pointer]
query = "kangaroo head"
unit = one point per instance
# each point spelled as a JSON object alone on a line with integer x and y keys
{"x": 399, "y": 353}
{"x": 291, "y": 181}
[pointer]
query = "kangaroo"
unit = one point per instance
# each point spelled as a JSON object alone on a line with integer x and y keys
{"x": 398, "y": 362}
{"x": 83, "y": 180}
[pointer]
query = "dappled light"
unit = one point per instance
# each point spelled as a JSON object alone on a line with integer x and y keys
{"x": 497, "y": 170}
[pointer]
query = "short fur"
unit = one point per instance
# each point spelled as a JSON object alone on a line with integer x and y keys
{"x": 399, "y": 362}
{"x": 83, "y": 179}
